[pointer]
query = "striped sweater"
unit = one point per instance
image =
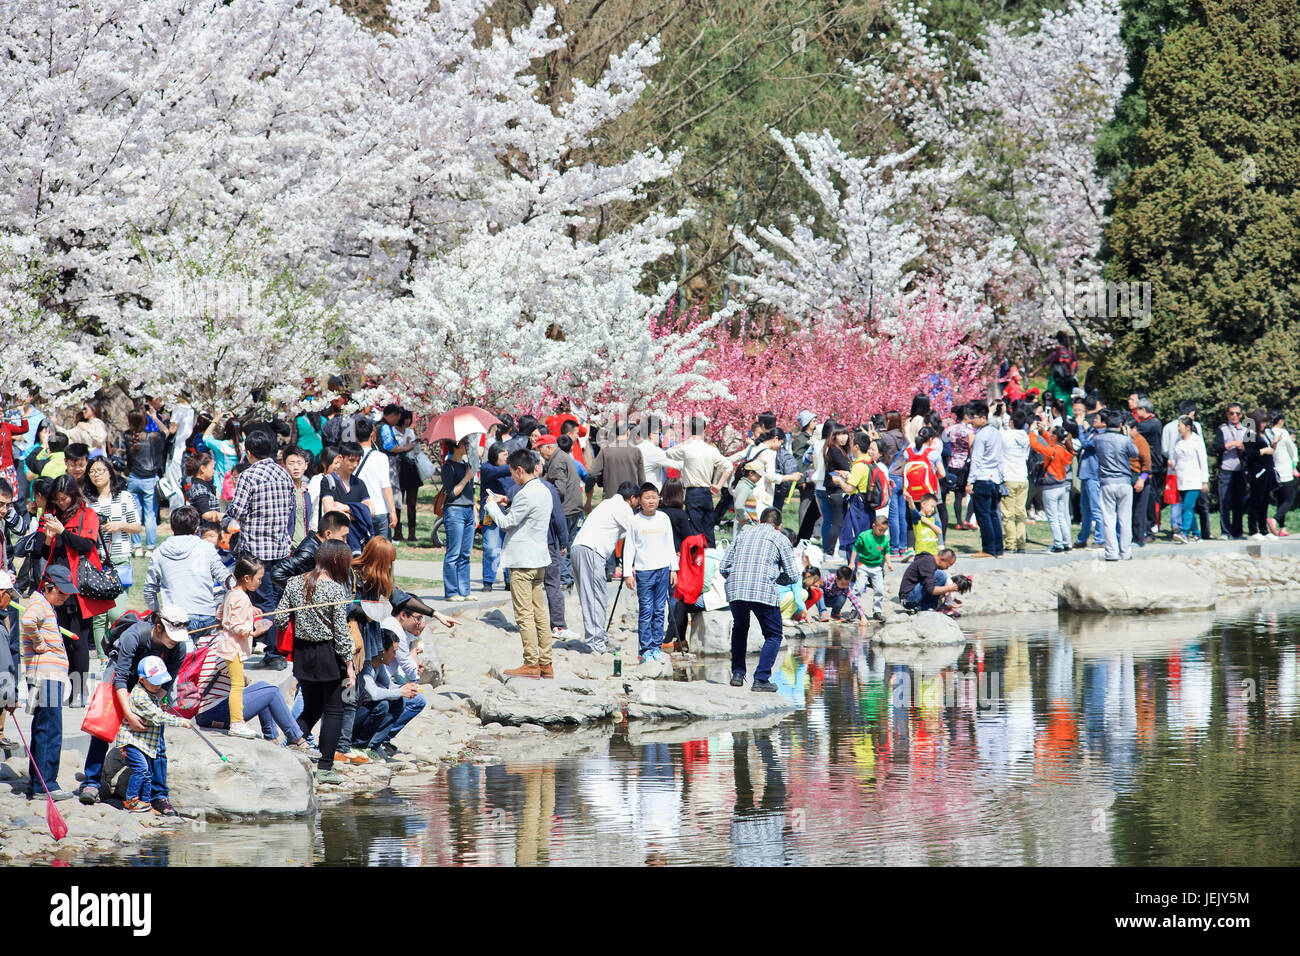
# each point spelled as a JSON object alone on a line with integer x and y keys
{"x": 44, "y": 656}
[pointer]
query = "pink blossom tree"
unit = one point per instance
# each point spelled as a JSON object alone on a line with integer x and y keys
{"x": 843, "y": 365}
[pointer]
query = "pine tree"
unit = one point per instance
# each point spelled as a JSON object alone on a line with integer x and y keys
{"x": 1210, "y": 215}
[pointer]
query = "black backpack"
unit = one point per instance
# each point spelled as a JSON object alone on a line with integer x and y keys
{"x": 1035, "y": 464}
{"x": 128, "y": 620}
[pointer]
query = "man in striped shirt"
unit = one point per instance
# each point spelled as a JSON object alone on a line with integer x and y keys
{"x": 45, "y": 661}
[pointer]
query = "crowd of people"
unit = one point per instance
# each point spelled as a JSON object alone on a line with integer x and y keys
{"x": 282, "y": 529}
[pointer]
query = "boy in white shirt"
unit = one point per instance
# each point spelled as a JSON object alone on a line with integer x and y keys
{"x": 649, "y": 563}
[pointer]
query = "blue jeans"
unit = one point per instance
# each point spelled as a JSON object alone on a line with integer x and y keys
{"x": 1089, "y": 512}
{"x": 492, "y": 538}
{"x": 152, "y": 782}
{"x": 458, "y": 525}
{"x": 917, "y": 598}
{"x": 1189, "y": 509}
{"x": 769, "y": 620}
{"x": 379, "y": 721}
{"x": 651, "y": 600}
{"x": 828, "y": 520}
{"x": 574, "y": 522}
{"x": 1056, "y": 501}
{"x": 897, "y": 516}
{"x": 141, "y": 781}
{"x": 263, "y": 701}
{"x": 984, "y": 495}
{"x": 142, "y": 489}
{"x": 47, "y": 735}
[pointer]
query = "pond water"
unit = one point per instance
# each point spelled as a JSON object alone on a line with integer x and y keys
{"x": 1085, "y": 740}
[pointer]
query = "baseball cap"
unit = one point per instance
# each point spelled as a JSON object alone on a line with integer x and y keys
{"x": 175, "y": 621}
{"x": 61, "y": 578}
{"x": 154, "y": 671}
{"x": 803, "y": 418}
{"x": 545, "y": 440}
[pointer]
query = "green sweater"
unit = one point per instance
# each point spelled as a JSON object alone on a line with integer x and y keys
{"x": 870, "y": 549}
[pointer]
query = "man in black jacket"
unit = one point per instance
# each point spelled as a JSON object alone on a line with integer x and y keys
{"x": 162, "y": 637}
{"x": 334, "y": 526}
{"x": 1150, "y": 428}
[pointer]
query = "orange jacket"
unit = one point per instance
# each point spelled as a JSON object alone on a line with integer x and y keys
{"x": 1056, "y": 456}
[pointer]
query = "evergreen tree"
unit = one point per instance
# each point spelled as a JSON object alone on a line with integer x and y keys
{"x": 1143, "y": 28}
{"x": 1210, "y": 215}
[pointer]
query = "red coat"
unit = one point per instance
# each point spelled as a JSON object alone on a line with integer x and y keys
{"x": 553, "y": 423}
{"x": 85, "y": 524}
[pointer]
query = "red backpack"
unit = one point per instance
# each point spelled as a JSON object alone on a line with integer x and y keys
{"x": 919, "y": 476}
{"x": 188, "y": 693}
{"x": 879, "y": 489}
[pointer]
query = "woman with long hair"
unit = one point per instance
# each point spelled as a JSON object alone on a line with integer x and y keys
{"x": 105, "y": 491}
{"x": 226, "y": 450}
{"x": 71, "y": 535}
{"x": 144, "y": 461}
{"x": 90, "y": 429}
{"x": 835, "y": 458}
{"x": 322, "y": 646}
{"x": 372, "y": 580}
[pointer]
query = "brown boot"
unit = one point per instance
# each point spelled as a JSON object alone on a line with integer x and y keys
{"x": 547, "y": 671}
{"x": 524, "y": 670}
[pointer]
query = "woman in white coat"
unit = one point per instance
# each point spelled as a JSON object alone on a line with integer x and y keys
{"x": 1193, "y": 471}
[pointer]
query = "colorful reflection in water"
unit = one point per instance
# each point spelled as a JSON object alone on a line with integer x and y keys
{"x": 1091, "y": 741}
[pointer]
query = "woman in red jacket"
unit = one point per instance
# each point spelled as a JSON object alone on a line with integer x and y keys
{"x": 72, "y": 536}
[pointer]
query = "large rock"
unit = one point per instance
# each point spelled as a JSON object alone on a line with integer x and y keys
{"x": 700, "y": 700}
{"x": 543, "y": 702}
{"x": 258, "y": 778}
{"x": 711, "y": 636}
{"x": 1137, "y": 587}
{"x": 923, "y": 629}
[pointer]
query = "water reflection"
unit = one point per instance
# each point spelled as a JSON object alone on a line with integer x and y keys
{"x": 1088, "y": 741}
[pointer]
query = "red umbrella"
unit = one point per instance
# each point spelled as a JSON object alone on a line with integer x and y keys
{"x": 459, "y": 422}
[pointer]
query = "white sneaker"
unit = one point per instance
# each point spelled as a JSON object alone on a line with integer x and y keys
{"x": 1257, "y": 536}
{"x": 243, "y": 730}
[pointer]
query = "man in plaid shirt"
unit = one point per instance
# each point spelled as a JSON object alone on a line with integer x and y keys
{"x": 263, "y": 505}
{"x": 756, "y": 559}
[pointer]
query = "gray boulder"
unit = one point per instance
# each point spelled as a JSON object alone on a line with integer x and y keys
{"x": 542, "y": 702}
{"x": 700, "y": 700}
{"x": 923, "y": 629}
{"x": 258, "y": 778}
{"x": 711, "y": 637}
{"x": 1151, "y": 585}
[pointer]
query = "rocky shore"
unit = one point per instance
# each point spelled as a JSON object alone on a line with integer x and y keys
{"x": 475, "y": 714}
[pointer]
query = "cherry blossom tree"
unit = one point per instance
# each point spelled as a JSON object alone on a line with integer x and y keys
{"x": 848, "y": 364}
{"x": 996, "y": 198}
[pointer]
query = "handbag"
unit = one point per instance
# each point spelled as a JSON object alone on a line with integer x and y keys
{"x": 284, "y": 638}
{"x": 1171, "y": 496}
{"x": 99, "y": 584}
{"x": 125, "y": 574}
{"x": 168, "y": 487}
{"x": 103, "y": 718}
{"x": 228, "y": 487}
{"x": 440, "y": 502}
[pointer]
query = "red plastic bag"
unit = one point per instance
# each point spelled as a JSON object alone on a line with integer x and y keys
{"x": 1172, "y": 497}
{"x": 103, "y": 717}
